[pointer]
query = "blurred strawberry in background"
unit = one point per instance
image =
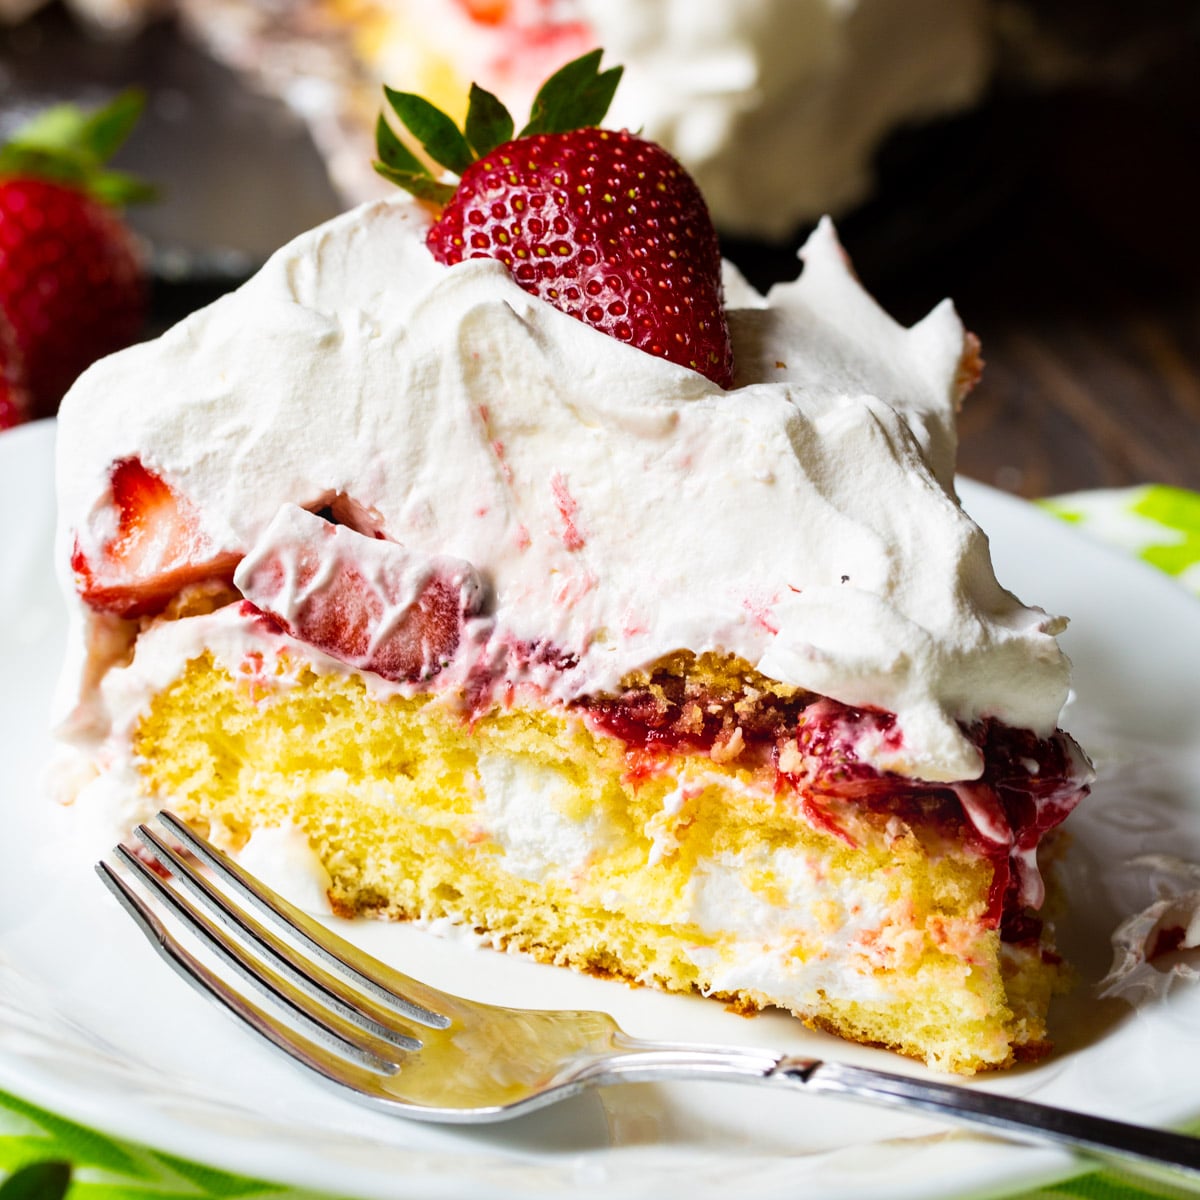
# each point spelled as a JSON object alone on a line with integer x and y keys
{"x": 73, "y": 284}
{"x": 14, "y": 397}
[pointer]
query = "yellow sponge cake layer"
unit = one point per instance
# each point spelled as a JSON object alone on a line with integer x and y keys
{"x": 528, "y": 823}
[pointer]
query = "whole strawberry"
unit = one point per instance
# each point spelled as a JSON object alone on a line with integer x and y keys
{"x": 72, "y": 282}
{"x": 14, "y": 397}
{"x": 603, "y": 225}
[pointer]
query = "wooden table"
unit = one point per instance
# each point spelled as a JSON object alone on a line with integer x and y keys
{"x": 1067, "y": 230}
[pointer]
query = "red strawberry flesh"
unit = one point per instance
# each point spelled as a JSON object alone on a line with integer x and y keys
{"x": 157, "y": 548}
{"x": 1028, "y": 786}
{"x": 365, "y": 601}
{"x": 606, "y": 227}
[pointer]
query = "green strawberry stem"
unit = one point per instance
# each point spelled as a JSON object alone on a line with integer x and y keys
{"x": 69, "y": 145}
{"x": 576, "y": 96}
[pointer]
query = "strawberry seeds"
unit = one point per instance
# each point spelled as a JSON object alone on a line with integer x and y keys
{"x": 603, "y": 225}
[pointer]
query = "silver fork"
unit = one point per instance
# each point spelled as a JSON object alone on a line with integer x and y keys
{"x": 402, "y": 1046}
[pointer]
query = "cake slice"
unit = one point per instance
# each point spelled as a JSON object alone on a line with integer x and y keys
{"x": 651, "y": 642}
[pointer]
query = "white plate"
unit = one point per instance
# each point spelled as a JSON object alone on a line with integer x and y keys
{"x": 93, "y": 1026}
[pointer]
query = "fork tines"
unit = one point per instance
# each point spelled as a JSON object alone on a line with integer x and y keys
{"x": 335, "y": 998}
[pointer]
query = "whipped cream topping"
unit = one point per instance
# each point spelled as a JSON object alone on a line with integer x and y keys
{"x": 775, "y": 106}
{"x": 615, "y": 507}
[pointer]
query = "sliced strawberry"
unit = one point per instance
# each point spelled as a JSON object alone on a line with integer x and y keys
{"x": 362, "y": 600}
{"x": 157, "y": 549}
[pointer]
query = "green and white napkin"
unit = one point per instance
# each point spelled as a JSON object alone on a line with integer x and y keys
{"x": 1159, "y": 525}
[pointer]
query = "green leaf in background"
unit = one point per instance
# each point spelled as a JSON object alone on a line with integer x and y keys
{"x": 574, "y": 97}
{"x": 70, "y": 146}
{"x": 54, "y": 130}
{"x": 105, "y": 130}
{"x": 104, "y": 1168}
{"x": 441, "y": 139}
{"x": 58, "y": 166}
{"x": 38, "y": 1181}
{"x": 90, "y": 137}
{"x": 489, "y": 124}
{"x": 119, "y": 188}
{"x": 52, "y": 1136}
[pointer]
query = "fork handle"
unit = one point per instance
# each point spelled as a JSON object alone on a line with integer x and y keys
{"x": 1133, "y": 1145}
{"x": 1025, "y": 1118}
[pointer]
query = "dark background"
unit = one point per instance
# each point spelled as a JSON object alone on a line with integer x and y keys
{"x": 1064, "y": 219}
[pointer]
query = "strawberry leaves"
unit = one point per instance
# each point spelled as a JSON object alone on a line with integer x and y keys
{"x": 604, "y": 226}
{"x": 488, "y": 123}
{"x": 576, "y": 96}
{"x": 440, "y": 138}
{"x": 67, "y": 145}
{"x": 401, "y": 166}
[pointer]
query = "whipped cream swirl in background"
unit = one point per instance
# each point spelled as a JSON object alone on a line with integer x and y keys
{"x": 616, "y": 506}
{"x": 775, "y": 106}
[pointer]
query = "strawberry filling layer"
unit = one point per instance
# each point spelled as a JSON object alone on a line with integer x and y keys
{"x": 1028, "y": 785}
